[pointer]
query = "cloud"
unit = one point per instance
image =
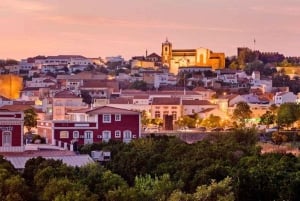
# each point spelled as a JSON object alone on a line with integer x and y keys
{"x": 277, "y": 10}
{"x": 96, "y": 21}
{"x": 24, "y": 5}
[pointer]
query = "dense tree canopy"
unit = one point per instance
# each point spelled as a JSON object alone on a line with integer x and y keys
{"x": 227, "y": 166}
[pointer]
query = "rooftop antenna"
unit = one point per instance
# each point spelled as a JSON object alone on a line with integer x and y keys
{"x": 254, "y": 41}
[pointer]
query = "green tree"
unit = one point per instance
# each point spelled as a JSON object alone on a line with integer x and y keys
{"x": 63, "y": 189}
{"x": 139, "y": 84}
{"x": 288, "y": 113}
{"x": 242, "y": 112}
{"x": 12, "y": 186}
{"x": 30, "y": 119}
{"x": 215, "y": 191}
{"x": 278, "y": 138}
{"x": 86, "y": 97}
{"x": 267, "y": 118}
{"x": 145, "y": 118}
{"x": 152, "y": 189}
{"x": 211, "y": 121}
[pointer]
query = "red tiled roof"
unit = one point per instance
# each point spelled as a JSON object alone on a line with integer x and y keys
{"x": 66, "y": 57}
{"x": 121, "y": 100}
{"x": 31, "y": 88}
{"x": 142, "y": 96}
{"x": 196, "y": 102}
{"x": 165, "y": 101}
{"x": 16, "y": 108}
{"x": 100, "y": 83}
{"x": 105, "y": 110}
{"x": 4, "y": 98}
{"x": 23, "y": 103}
{"x": 66, "y": 94}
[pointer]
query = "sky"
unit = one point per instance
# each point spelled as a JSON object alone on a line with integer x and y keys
{"x": 100, "y": 28}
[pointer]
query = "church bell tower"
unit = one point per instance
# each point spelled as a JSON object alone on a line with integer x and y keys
{"x": 166, "y": 53}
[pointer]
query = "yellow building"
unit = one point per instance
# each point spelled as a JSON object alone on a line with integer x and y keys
{"x": 175, "y": 58}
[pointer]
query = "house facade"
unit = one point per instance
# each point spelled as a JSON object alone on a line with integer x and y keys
{"x": 284, "y": 97}
{"x": 97, "y": 125}
{"x": 11, "y": 131}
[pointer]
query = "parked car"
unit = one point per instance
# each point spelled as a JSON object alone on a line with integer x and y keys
{"x": 151, "y": 129}
{"x": 272, "y": 129}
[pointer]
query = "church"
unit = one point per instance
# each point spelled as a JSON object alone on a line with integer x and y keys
{"x": 200, "y": 57}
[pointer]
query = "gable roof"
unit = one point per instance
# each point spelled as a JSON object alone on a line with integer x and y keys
{"x": 4, "y": 98}
{"x": 105, "y": 110}
{"x": 101, "y": 84}
{"x": 16, "y": 108}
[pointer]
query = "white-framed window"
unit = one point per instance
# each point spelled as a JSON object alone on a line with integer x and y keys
{"x": 117, "y": 134}
{"x": 106, "y": 118}
{"x": 106, "y": 136}
{"x": 117, "y": 117}
{"x": 75, "y": 134}
{"x": 88, "y": 134}
{"x": 127, "y": 134}
{"x": 6, "y": 138}
{"x": 64, "y": 134}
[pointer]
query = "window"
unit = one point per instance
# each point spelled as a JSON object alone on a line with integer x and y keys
{"x": 118, "y": 117}
{"x": 88, "y": 134}
{"x": 117, "y": 134}
{"x": 174, "y": 107}
{"x": 157, "y": 114}
{"x": 174, "y": 114}
{"x": 127, "y": 134}
{"x": 106, "y": 135}
{"x": 75, "y": 134}
{"x": 64, "y": 134}
{"x": 6, "y": 138}
{"x": 106, "y": 118}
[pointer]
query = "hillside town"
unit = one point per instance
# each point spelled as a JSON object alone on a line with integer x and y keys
{"x": 85, "y": 100}
{"x": 63, "y": 107}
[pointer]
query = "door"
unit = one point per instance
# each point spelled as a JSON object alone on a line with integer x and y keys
{"x": 6, "y": 138}
{"x": 88, "y": 137}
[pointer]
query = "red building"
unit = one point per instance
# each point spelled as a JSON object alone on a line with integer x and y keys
{"x": 11, "y": 131}
{"x": 96, "y": 125}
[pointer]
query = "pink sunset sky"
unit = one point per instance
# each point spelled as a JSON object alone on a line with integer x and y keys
{"x": 103, "y": 28}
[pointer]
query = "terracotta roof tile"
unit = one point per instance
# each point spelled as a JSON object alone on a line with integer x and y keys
{"x": 196, "y": 102}
{"x": 165, "y": 101}
{"x": 121, "y": 100}
{"x": 66, "y": 94}
{"x": 16, "y": 108}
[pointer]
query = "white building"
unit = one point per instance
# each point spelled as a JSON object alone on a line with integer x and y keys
{"x": 284, "y": 97}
